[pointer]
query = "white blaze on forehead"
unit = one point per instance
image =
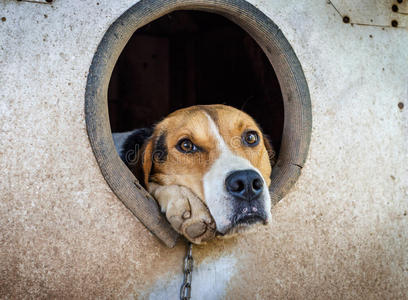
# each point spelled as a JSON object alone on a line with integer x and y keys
{"x": 222, "y": 146}
{"x": 219, "y": 202}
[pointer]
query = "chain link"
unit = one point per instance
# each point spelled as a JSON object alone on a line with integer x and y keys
{"x": 185, "y": 291}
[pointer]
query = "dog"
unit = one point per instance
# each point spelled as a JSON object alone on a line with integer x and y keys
{"x": 208, "y": 167}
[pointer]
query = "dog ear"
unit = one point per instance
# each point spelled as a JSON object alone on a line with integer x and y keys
{"x": 147, "y": 162}
{"x": 155, "y": 152}
{"x": 270, "y": 150}
{"x": 135, "y": 153}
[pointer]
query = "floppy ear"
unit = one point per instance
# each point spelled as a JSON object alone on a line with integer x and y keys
{"x": 270, "y": 150}
{"x": 135, "y": 153}
{"x": 155, "y": 151}
{"x": 147, "y": 162}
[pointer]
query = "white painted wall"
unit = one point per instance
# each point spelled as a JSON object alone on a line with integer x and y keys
{"x": 340, "y": 233}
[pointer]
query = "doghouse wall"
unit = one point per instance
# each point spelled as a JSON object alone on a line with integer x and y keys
{"x": 340, "y": 233}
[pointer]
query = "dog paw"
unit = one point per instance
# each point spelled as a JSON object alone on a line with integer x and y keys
{"x": 186, "y": 213}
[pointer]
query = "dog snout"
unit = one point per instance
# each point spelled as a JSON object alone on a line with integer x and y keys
{"x": 245, "y": 185}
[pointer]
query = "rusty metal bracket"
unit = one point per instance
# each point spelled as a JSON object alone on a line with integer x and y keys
{"x": 383, "y": 13}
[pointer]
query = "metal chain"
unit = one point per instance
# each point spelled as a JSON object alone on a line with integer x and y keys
{"x": 185, "y": 291}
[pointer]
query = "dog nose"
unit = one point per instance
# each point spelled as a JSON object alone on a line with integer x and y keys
{"x": 245, "y": 184}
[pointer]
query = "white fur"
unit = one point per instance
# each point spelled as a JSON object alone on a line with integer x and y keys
{"x": 210, "y": 281}
{"x": 218, "y": 200}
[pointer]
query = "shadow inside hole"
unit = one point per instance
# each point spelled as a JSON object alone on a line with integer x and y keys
{"x": 190, "y": 57}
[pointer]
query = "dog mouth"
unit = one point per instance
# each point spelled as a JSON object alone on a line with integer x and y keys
{"x": 243, "y": 222}
{"x": 248, "y": 219}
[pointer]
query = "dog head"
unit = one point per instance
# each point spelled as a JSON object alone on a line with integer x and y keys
{"x": 216, "y": 151}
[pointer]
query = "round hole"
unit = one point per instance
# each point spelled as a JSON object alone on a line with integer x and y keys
{"x": 346, "y": 19}
{"x": 296, "y": 101}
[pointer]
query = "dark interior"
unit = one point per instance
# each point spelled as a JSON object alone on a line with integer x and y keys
{"x": 189, "y": 57}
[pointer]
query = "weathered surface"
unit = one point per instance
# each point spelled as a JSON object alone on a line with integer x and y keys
{"x": 340, "y": 233}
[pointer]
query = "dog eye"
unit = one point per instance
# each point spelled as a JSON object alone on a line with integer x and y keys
{"x": 186, "y": 146}
{"x": 250, "y": 138}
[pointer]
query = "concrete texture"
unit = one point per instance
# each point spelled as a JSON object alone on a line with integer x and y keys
{"x": 340, "y": 233}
